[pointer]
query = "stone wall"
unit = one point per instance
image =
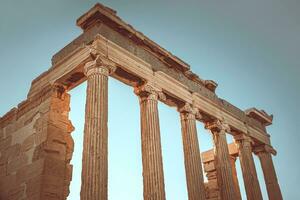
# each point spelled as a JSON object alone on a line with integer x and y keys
{"x": 36, "y": 148}
{"x": 212, "y": 191}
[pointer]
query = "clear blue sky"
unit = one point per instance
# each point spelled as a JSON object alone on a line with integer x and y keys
{"x": 251, "y": 48}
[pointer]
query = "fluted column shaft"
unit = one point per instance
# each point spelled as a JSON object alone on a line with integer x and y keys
{"x": 95, "y": 149}
{"x": 192, "y": 158}
{"x": 251, "y": 183}
{"x": 265, "y": 157}
{"x": 153, "y": 175}
{"x": 222, "y": 160}
{"x": 235, "y": 178}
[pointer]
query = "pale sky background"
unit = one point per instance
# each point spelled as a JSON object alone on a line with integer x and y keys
{"x": 250, "y": 48}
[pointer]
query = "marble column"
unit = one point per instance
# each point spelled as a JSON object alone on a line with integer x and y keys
{"x": 235, "y": 178}
{"x": 248, "y": 167}
{"x": 192, "y": 158}
{"x": 222, "y": 159}
{"x": 95, "y": 145}
{"x": 265, "y": 157}
{"x": 153, "y": 175}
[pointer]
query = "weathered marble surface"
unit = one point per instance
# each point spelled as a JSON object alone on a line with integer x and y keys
{"x": 35, "y": 142}
{"x": 36, "y": 148}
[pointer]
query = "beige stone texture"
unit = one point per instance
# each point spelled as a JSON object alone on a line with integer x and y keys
{"x": 212, "y": 188}
{"x": 153, "y": 175}
{"x": 192, "y": 158}
{"x": 222, "y": 160}
{"x": 251, "y": 183}
{"x": 94, "y": 184}
{"x": 235, "y": 177}
{"x": 264, "y": 153}
{"x": 23, "y": 158}
{"x": 35, "y": 137}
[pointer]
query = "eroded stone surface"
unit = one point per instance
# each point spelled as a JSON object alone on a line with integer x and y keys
{"x": 153, "y": 175}
{"x": 212, "y": 189}
{"x": 35, "y": 142}
{"x": 29, "y": 164}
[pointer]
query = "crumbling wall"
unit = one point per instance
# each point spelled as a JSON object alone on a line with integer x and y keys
{"x": 212, "y": 191}
{"x": 36, "y": 148}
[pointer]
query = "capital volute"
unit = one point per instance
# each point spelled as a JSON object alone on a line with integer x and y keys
{"x": 149, "y": 91}
{"x": 189, "y": 111}
{"x": 243, "y": 139}
{"x": 99, "y": 65}
{"x": 263, "y": 148}
{"x": 217, "y": 126}
{"x": 96, "y": 47}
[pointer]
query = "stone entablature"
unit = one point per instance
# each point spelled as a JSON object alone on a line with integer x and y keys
{"x": 260, "y": 115}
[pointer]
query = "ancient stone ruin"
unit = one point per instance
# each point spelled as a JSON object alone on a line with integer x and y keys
{"x": 36, "y": 145}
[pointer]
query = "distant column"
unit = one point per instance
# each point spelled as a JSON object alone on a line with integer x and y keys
{"x": 265, "y": 157}
{"x": 192, "y": 158}
{"x": 94, "y": 158}
{"x": 248, "y": 167}
{"x": 222, "y": 159}
{"x": 153, "y": 175}
{"x": 235, "y": 178}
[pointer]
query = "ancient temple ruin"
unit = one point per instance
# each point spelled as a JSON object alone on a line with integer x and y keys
{"x": 36, "y": 145}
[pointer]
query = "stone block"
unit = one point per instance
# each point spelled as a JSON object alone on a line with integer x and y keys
{"x": 40, "y": 137}
{"x": 69, "y": 172}
{"x": 50, "y": 150}
{"x": 9, "y": 129}
{"x": 16, "y": 193}
{"x": 21, "y": 134}
{"x": 30, "y": 171}
{"x": 19, "y": 123}
{"x": 68, "y": 178}
{"x": 28, "y": 143}
{"x": 52, "y": 187}
{"x": 1, "y": 133}
{"x": 55, "y": 150}
{"x": 33, "y": 187}
{"x": 212, "y": 175}
{"x": 17, "y": 163}
{"x": 5, "y": 143}
{"x": 56, "y": 134}
{"x": 55, "y": 167}
{"x": 41, "y": 124}
{"x": 31, "y": 116}
{"x": 60, "y": 122}
{"x": 212, "y": 184}
{"x": 38, "y": 153}
{"x": 10, "y": 153}
{"x": 211, "y": 191}
{"x": 3, "y": 171}
{"x": 29, "y": 154}
{"x": 45, "y": 186}
{"x": 209, "y": 166}
{"x": 36, "y": 196}
{"x": 7, "y": 183}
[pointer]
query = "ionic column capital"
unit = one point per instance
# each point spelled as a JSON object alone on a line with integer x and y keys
{"x": 217, "y": 126}
{"x": 264, "y": 149}
{"x": 188, "y": 111}
{"x": 149, "y": 92}
{"x": 244, "y": 140}
{"x": 100, "y": 66}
